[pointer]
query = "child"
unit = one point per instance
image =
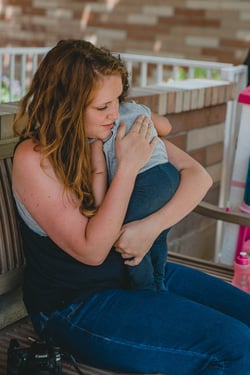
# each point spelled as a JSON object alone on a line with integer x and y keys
{"x": 155, "y": 184}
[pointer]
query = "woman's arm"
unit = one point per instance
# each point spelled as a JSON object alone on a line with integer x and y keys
{"x": 137, "y": 237}
{"x": 99, "y": 171}
{"x": 88, "y": 240}
{"x": 194, "y": 184}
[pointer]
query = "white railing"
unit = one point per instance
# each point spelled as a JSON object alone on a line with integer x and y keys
{"x": 18, "y": 65}
{"x": 166, "y": 68}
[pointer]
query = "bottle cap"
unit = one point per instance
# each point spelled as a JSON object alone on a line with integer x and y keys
{"x": 242, "y": 258}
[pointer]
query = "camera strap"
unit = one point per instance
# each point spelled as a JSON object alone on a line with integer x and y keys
{"x": 74, "y": 363}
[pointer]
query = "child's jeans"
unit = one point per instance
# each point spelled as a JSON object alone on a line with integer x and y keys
{"x": 153, "y": 188}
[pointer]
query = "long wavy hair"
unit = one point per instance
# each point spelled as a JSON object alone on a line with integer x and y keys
{"x": 54, "y": 111}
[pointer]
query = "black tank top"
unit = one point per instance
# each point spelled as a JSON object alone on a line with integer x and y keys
{"x": 53, "y": 279}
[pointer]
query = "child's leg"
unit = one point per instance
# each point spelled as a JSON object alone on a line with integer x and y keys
{"x": 158, "y": 253}
{"x": 142, "y": 275}
{"x": 153, "y": 188}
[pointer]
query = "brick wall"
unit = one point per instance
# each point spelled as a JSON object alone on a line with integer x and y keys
{"x": 213, "y": 30}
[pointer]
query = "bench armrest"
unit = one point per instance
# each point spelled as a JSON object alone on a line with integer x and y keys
{"x": 234, "y": 215}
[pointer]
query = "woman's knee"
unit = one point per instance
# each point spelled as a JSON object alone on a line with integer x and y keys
{"x": 233, "y": 354}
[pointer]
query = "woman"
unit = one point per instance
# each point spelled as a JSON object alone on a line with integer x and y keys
{"x": 75, "y": 288}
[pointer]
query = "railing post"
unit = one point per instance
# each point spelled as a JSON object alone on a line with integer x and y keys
{"x": 238, "y": 75}
{"x": 159, "y": 73}
{"x": 23, "y": 74}
{"x": 232, "y": 233}
{"x": 144, "y": 73}
{"x": 12, "y": 75}
{"x": 1, "y": 77}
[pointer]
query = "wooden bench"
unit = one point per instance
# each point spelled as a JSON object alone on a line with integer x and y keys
{"x": 14, "y": 320}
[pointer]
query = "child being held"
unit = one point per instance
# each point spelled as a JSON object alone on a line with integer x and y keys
{"x": 155, "y": 184}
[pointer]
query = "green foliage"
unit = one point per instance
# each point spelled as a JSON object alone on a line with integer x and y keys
{"x": 198, "y": 73}
{"x": 5, "y": 90}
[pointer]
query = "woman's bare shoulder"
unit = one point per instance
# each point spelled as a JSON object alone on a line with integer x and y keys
{"x": 27, "y": 168}
{"x": 25, "y": 150}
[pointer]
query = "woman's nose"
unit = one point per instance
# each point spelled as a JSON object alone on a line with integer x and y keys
{"x": 114, "y": 113}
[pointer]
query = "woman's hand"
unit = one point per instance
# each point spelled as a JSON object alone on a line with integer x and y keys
{"x": 135, "y": 240}
{"x": 134, "y": 149}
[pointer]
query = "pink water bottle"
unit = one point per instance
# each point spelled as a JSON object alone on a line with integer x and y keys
{"x": 241, "y": 272}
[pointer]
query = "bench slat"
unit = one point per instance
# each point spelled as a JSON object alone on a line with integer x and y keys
{"x": 11, "y": 254}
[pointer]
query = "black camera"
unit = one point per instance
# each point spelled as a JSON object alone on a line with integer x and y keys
{"x": 40, "y": 358}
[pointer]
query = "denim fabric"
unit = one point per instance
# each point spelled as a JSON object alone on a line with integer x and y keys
{"x": 198, "y": 326}
{"x": 153, "y": 188}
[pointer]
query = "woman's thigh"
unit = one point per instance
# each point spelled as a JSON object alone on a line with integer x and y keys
{"x": 149, "y": 332}
{"x": 207, "y": 290}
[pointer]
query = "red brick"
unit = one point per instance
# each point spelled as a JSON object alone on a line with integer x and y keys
{"x": 186, "y": 21}
{"x": 179, "y": 140}
{"x": 198, "y": 118}
{"x": 190, "y": 12}
{"x": 235, "y": 43}
{"x": 214, "y": 153}
{"x": 222, "y": 55}
{"x": 199, "y": 155}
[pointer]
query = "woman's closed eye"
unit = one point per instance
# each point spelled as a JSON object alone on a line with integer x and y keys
{"x": 102, "y": 108}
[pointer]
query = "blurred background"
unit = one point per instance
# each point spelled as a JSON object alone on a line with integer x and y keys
{"x": 213, "y": 30}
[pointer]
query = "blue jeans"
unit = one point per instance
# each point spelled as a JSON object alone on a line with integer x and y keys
{"x": 198, "y": 326}
{"x": 153, "y": 188}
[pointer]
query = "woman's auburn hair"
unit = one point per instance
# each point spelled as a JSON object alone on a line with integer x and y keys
{"x": 55, "y": 106}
